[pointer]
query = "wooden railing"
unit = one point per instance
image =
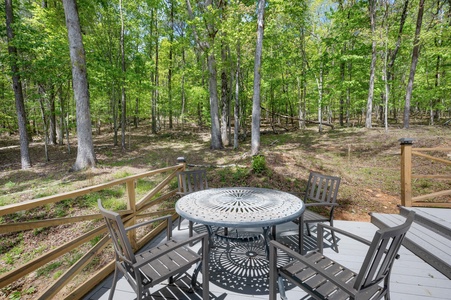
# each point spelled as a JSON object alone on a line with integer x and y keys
{"x": 406, "y": 176}
{"x": 144, "y": 207}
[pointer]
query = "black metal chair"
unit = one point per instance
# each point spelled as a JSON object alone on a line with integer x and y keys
{"x": 323, "y": 278}
{"x": 148, "y": 268}
{"x": 321, "y": 193}
{"x": 189, "y": 182}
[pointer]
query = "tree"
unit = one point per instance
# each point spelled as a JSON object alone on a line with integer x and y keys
{"x": 205, "y": 42}
{"x": 123, "y": 95}
{"x": 415, "y": 55}
{"x": 369, "y": 105}
{"x": 85, "y": 152}
{"x": 256, "y": 109}
{"x": 17, "y": 86}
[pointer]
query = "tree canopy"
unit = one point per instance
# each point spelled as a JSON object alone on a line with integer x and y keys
{"x": 153, "y": 59}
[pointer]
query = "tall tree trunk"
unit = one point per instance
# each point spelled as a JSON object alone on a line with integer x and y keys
{"x": 216, "y": 141}
{"x": 85, "y": 152}
{"x": 123, "y": 96}
{"x": 207, "y": 47}
{"x": 394, "y": 53}
{"x": 171, "y": 63}
{"x": 236, "y": 110}
{"x": 256, "y": 99}
{"x": 302, "y": 85}
{"x": 17, "y": 87}
{"x": 413, "y": 67}
{"x": 52, "y": 117}
{"x": 182, "y": 110}
{"x": 44, "y": 121}
{"x": 61, "y": 115}
{"x": 224, "y": 100}
{"x": 369, "y": 104}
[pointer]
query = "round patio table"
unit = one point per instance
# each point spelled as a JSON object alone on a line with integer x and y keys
{"x": 240, "y": 207}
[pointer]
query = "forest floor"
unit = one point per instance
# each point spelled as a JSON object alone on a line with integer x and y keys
{"x": 368, "y": 161}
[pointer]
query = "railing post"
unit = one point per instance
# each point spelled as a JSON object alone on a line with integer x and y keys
{"x": 131, "y": 205}
{"x": 406, "y": 171}
{"x": 181, "y": 161}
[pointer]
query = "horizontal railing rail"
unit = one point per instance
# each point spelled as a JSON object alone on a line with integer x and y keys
{"x": 145, "y": 207}
{"x": 407, "y": 152}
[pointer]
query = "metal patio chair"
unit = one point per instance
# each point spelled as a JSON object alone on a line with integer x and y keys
{"x": 321, "y": 193}
{"x": 150, "y": 267}
{"x": 323, "y": 278}
{"x": 189, "y": 182}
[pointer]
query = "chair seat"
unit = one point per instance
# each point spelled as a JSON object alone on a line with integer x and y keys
{"x": 318, "y": 285}
{"x": 178, "y": 260}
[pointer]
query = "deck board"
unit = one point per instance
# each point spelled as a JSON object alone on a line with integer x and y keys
{"x": 412, "y": 278}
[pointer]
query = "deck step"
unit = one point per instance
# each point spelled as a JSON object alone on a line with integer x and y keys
{"x": 436, "y": 219}
{"x": 434, "y": 248}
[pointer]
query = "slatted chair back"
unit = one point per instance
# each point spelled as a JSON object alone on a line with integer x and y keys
{"x": 192, "y": 181}
{"x": 322, "y": 188}
{"x": 121, "y": 243}
{"x": 381, "y": 255}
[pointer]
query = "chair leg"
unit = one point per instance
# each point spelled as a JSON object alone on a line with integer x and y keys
{"x": 308, "y": 229}
{"x": 301, "y": 236}
{"x": 191, "y": 230}
{"x": 180, "y": 222}
{"x": 283, "y": 296}
{"x": 113, "y": 285}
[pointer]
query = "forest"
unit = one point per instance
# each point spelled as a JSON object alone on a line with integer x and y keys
{"x": 173, "y": 63}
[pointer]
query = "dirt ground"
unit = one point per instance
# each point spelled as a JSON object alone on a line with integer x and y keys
{"x": 368, "y": 161}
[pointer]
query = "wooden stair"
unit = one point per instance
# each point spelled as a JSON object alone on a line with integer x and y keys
{"x": 429, "y": 236}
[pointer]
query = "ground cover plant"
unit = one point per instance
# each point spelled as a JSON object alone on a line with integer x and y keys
{"x": 367, "y": 160}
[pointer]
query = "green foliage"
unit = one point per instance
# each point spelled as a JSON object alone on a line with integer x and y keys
{"x": 234, "y": 176}
{"x": 259, "y": 164}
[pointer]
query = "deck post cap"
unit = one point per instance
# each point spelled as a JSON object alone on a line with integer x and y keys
{"x": 181, "y": 159}
{"x": 406, "y": 141}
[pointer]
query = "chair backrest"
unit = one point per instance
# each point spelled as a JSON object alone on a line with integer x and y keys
{"x": 192, "y": 181}
{"x": 381, "y": 254}
{"x": 121, "y": 243}
{"x": 322, "y": 188}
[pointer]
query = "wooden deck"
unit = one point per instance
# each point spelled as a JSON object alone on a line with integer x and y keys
{"x": 235, "y": 277}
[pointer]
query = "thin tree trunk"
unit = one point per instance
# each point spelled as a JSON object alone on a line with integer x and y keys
{"x": 44, "y": 121}
{"x": 236, "y": 111}
{"x": 123, "y": 96}
{"x": 256, "y": 99}
{"x": 413, "y": 67}
{"x": 369, "y": 104}
{"x": 61, "y": 115}
{"x": 216, "y": 141}
{"x": 85, "y": 152}
{"x": 171, "y": 64}
{"x": 224, "y": 101}
{"x": 17, "y": 87}
{"x": 52, "y": 117}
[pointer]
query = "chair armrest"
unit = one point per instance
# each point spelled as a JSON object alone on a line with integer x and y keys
{"x": 321, "y": 227}
{"x": 274, "y": 245}
{"x": 168, "y": 217}
{"x": 203, "y": 236}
